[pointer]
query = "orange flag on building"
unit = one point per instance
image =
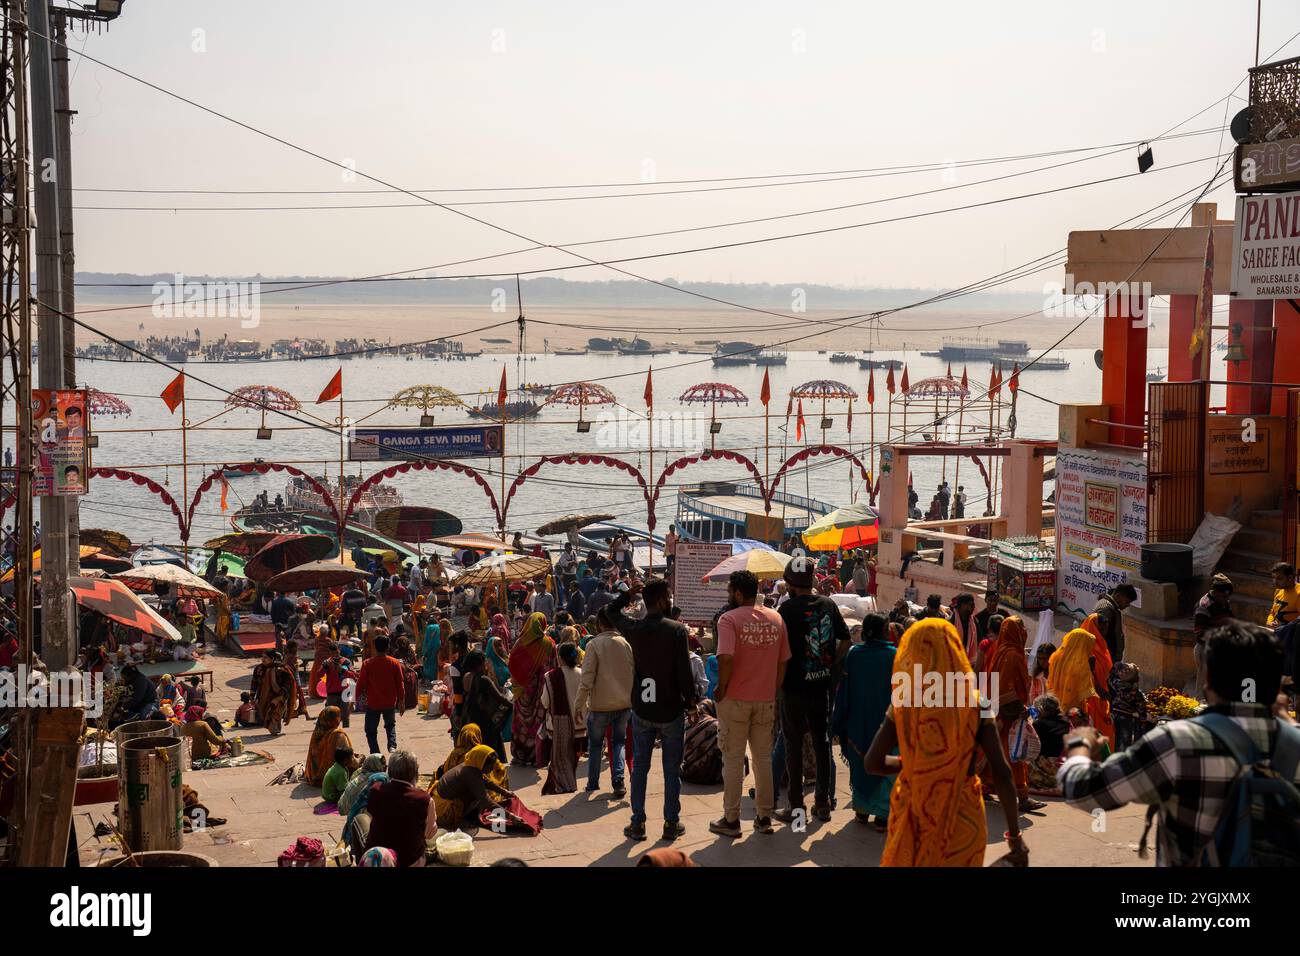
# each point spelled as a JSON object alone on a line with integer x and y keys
{"x": 889, "y": 381}
{"x": 649, "y": 393}
{"x": 765, "y": 395}
{"x": 871, "y": 387}
{"x": 333, "y": 390}
{"x": 174, "y": 393}
{"x": 798, "y": 424}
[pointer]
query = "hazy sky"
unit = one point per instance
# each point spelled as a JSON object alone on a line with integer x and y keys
{"x": 491, "y": 94}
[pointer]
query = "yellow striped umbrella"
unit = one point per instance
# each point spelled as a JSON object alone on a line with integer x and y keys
{"x": 763, "y": 564}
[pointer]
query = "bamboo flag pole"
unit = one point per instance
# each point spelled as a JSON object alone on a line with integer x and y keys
{"x": 965, "y": 390}
{"x": 185, "y": 468}
{"x": 342, "y": 508}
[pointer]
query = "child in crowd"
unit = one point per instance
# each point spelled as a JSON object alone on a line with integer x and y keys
{"x": 336, "y": 778}
{"x": 1128, "y": 705}
{"x": 246, "y": 715}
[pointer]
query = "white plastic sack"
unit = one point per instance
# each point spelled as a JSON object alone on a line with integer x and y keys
{"x": 1210, "y": 541}
{"x": 455, "y": 848}
{"x": 851, "y": 605}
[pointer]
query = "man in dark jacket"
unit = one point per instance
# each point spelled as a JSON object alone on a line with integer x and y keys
{"x": 663, "y": 688}
{"x": 1110, "y": 617}
{"x": 399, "y": 812}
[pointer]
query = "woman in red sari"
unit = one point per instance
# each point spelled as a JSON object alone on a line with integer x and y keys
{"x": 1006, "y": 659}
{"x": 530, "y": 659}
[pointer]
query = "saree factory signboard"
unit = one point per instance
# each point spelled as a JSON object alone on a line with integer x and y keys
{"x": 62, "y": 426}
{"x": 1101, "y": 523}
{"x": 1266, "y": 247}
{"x": 411, "y": 444}
{"x": 699, "y": 600}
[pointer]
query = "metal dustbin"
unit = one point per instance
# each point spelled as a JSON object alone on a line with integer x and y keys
{"x": 149, "y": 793}
{"x": 160, "y": 858}
{"x": 143, "y": 728}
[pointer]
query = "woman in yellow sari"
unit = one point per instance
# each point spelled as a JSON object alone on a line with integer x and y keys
{"x": 469, "y": 788}
{"x": 471, "y": 736}
{"x": 936, "y": 811}
{"x": 1072, "y": 677}
{"x": 325, "y": 739}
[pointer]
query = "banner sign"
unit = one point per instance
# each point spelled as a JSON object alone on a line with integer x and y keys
{"x": 410, "y": 444}
{"x": 1229, "y": 454}
{"x": 1101, "y": 523}
{"x": 1266, "y": 247}
{"x": 699, "y": 601}
{"x": 62, "y": 423}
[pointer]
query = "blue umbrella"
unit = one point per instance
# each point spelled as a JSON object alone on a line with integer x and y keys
{"x": 740, "y": 545}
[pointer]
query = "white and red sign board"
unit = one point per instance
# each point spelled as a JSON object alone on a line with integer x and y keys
{"x": 699, "y": 601}
{"x": 1101, "y": 523}
{"x": 1266, "y": 247}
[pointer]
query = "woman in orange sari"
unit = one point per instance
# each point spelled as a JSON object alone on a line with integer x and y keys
{"x": 325, "y": 739}
{"x": 936, "y": 811}
{"x": 531, "y": 657}
{"x": 1007, "y": 660}
{"x": 1102, "y": 665}
{"x": 1072, "y": 677}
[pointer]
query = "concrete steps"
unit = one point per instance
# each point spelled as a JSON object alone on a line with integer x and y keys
{"x": 1249, "y": 561}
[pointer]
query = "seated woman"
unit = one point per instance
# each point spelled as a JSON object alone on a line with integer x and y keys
{"x": 465, "y": 791}
{"x": 1052, "y": 729}
{"x": 171, "y": 693}
{"x": 206, "y": 744}
{"x": 328, "y": 737}
{"x": 360, "y": 781}
{"x": 402, "y": 817}
{"x": 336, "y": 778}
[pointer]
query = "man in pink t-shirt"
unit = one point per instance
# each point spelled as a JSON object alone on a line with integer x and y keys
{"x": 752, "y": 650}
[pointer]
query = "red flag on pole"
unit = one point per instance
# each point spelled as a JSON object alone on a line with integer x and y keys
{"x": 501, "y": 392}
{"x": 174, "y": 393}
{"x": 871, "y": 388}
{"x": 798, "y": 425}
{"x": 1015, "y": 378}
{"x": 333, "y": 390}
{"x": 950, "y": 370}
{"x": 649, "y": 393}
{"x": 964, "y": 384}
{"x": 765, "y": 395}
{"x": 889, "y": 381}
{"x": 903, "y": 384}
{"x": 225, "y": 487}
{"x": 789, "y": 406}
{"x": 994, "y": 382}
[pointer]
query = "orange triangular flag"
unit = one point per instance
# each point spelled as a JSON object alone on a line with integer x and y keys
{"x": 649, "y": 393}
{"x": 1015, "y": 377}
{"x": 501, "y": 392}
{"x": 950, "y": 370}
{"x": 964, "y": 384}
{"x": 871, "y": 388}
{"x": 333, "y": 390}
{"x": 798, "y": 425}
{"x": 789, "y": 406}
{"x": 889, "y": 381}
{"x": 903, "y": 384}
{"x": 174, "y": 393}
{"x": 994, "y": 382}
{"x": 765, "y": 395}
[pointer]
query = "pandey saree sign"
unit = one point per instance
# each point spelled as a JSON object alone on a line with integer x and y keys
{"x": 1266, "y": 247}
{"x": 413, "y": 444}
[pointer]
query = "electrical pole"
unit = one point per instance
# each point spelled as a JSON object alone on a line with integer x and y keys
{"x": 56, "y": 610}
{"x": 68, "y": 271}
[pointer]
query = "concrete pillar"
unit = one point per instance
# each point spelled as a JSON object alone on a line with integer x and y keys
{"x": 1255, "y": 316}
{"x": 1286, "y": 352}
{"x": 1124, "y": 366}
{"x": 1022, "y": 490}
{"x": 892, "y": 503}
{"x": 1182, "y": 320}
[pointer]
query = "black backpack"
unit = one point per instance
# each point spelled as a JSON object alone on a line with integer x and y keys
{"x": 1261, "y": 816}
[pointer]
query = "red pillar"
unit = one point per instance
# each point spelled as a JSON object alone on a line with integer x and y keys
{"x": 1255, "y": 316}
{"x": 1124, "y": 366}
{"x": 1182, "y": 320}
{"x": 1286, "y": 352}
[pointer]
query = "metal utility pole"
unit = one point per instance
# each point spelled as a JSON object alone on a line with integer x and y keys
{"x": 56, "y": 607}
{"x": 67, "y": 298}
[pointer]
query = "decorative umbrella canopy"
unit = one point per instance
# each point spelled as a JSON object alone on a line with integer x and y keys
{"x": 416, "y": 523}
{"x": 182, "y": 583}
{"x": 287, "y": 551}
{"x": 941, "y": 386}
{"x": 713, "y": 393}
{"x": 571, "y": 523}
{"x": 263, "y": 398}
{"x": 314, "y": 576}
{"x": 116, "y": 601}
{"x": 504, "y": 568}
{"x": 765, "y": 565}
{"x": 102, "y": 403}
{"x": 823, "y": 388}
{"x": 243, "y": 543}
{"x": 86, "y": 552}
{"x": 112, "y": 542}
{"x": 582, "y": 394}
{"x": 855, "y": 526}
{"x": 105, "y": 562}
{"x": 472, "y": 541}
{"x": 425, "y": 397}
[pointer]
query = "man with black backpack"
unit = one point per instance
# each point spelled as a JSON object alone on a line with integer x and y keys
{"x": 1222, "y": 783}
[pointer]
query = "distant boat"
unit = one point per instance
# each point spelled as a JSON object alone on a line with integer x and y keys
{"x": 604, "y": 345}
{"x": 771, "y": 357}
{"x": 870, "y": 362}
{"x": 735, "y": 353}
{"x": 570, "y": 352}
{"x": 496, "y": 341}
{"x": 1156, "y": 375}
{"x": 844, "y": 357}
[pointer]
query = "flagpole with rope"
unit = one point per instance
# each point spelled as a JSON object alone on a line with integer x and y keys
{"x": 965, "y": 386}
{"x": 765, "y": 396}
{"x": 649, "y": 397}
{"x": 947, "y": 409}
{"x": 871, "y": 446}
{"x": 332, "y": 390}
{"x": 185, "y": 471}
